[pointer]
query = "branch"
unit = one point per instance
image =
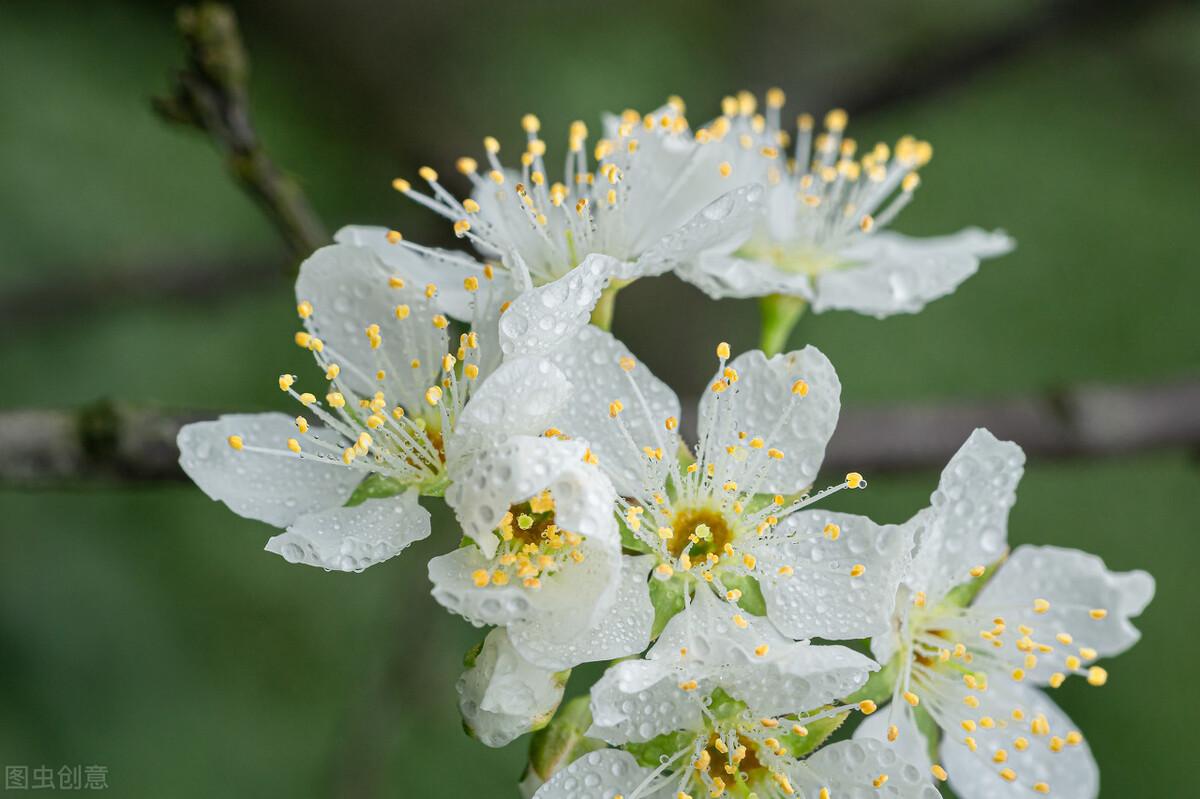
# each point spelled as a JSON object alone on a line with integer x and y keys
{"x": 210, "y": 94}
{"x": 108, "y": 442}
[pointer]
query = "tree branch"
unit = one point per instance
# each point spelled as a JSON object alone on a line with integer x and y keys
{"x": 108, "y": 442}
{"x": 210, "y": 94}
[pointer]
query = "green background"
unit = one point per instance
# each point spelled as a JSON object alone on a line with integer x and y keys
{"x": 145, "y": 629}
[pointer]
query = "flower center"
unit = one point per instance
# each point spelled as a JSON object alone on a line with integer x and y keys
{"x": 532, "y": 546}
{"x": 705, "y": 529}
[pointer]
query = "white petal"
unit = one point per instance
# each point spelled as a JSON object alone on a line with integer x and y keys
{"x": 539, "y": 320}
{"x": 1074, "y": 583}
{"x": 1070, "y": 773}
{"x": 637, "y": 700}
{"x": 348, "y": 288}
{"x": 721, "y": 275}
{"x": 621, "y": 629}
{"x": 444, "y": 268}
{"x": 897, "y": 274}
{"x": 797, "y": 677}
{"x": 968, "y": 522}
{"x": 911, "y": 746}
{"x": 522, "y": 397}
{"x": 848, "y": 768}
{"x": 455, "y": 590}
{"x": 712, "y": 639}
{"x": 272, "y": 488}
{"x": 352, "y": 538}
{"x": 503, "y": 696}
{"x": 599, "y": 775}
{"x": 591, "y": 362}
{"x": 721, "y": 225}
{"x": 820, "y": 598}
{"x": 761, "y": 403}
{"x": 485, "y": 485}
{"x": 568, "y": 604}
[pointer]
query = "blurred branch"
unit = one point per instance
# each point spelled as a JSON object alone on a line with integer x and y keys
{"x": 926, "y": 72}
{"x": 185, "y": 281}
{"x": 118, "y": 443}
{"x": 210, "y": 94}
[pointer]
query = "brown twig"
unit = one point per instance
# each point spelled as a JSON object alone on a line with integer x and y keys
{"x": 210, "y": 94}
{"x": 108, "y": 442}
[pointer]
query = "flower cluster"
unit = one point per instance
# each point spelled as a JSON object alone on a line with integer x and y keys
{"x": 589, "y": 530}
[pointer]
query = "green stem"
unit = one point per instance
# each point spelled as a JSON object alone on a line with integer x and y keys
{"x": 780, "y": 313}
{"x": 602, "y": 314}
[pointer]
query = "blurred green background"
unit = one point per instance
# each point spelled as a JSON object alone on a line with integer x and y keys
{"x": 144, "y": 628}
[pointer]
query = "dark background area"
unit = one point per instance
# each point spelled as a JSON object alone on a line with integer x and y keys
{"x": 143, "y": 627}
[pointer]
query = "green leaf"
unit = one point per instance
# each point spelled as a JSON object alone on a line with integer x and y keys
{"x": 563, "y": 740}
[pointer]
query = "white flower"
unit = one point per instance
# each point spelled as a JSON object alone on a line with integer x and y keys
{"x": 736, "y": 510}
{"x": 394, "y": 418}
{"x": 821, "y": 234}
{"x": 728, "y": 703}
{"x": 974, "y": 661}
{"x": 644, "y": 204}
{"x": 546, "y": 560}
{"x": 502, "y": 696}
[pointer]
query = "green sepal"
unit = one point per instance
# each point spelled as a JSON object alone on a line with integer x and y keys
{"x": 667, "y": 598}
{"x": 650, "y": 753}
{"x": 376, "y": 486}
{"x": 629, "y": 540}
{"x": 799, "y": 746}
{"x": 560, "y": 742}
{"x": 963, "y": 594}
{"x": 879, "y": 686}
{"x": 472, "y": 655}
{"x": 751, "y": 600}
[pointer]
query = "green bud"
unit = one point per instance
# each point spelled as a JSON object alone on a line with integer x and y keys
{"x": 560, "y": 742}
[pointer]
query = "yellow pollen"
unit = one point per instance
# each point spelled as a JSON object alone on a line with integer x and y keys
{"x": 857, "y": 570}
{"x": 614, "y": 408}
{"x": 723, "y": 350}
{"x": 893, "y": 732}
{"x": 285, "y": 382}
{"x": 433, "y": 395}
{"x": 333, "y": 371}
{"x": 1097, "y": 676}
{"x": 1041, "y": 787}
{"x": 690, "y": 685}
{"x": 761, "y": 650}
{"x": 911, "y": 698}
{"x": 1098, "y": 613}
{"x": 307, "y": 399}
{"x": 400, "y": 184}
{"x": 461, "y": 227}
{"x": 304, "y": 309}
{"x": 867, "y": 707}
{"x": 236, "y": 442}
{"x": 430, "y": 290}
{"x": 1040, "y": 606}
{"x": 880, "y": 780}
{"x": 480, "y": 577}
{"x": 335, "y": 399}
{"x": 977, "y": 571}
{"x": 627, "y": 363}
{"x": 740, "y": 621}
{"x": 939, "y": 772}
{"x": 395, "y": 237}
{"x": 854, "y": 480}
{"x": 427, "y": 174}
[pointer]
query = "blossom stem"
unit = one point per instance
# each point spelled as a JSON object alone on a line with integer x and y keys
{"x": 602, "y": 314}
{"x": 780, "y": 313}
